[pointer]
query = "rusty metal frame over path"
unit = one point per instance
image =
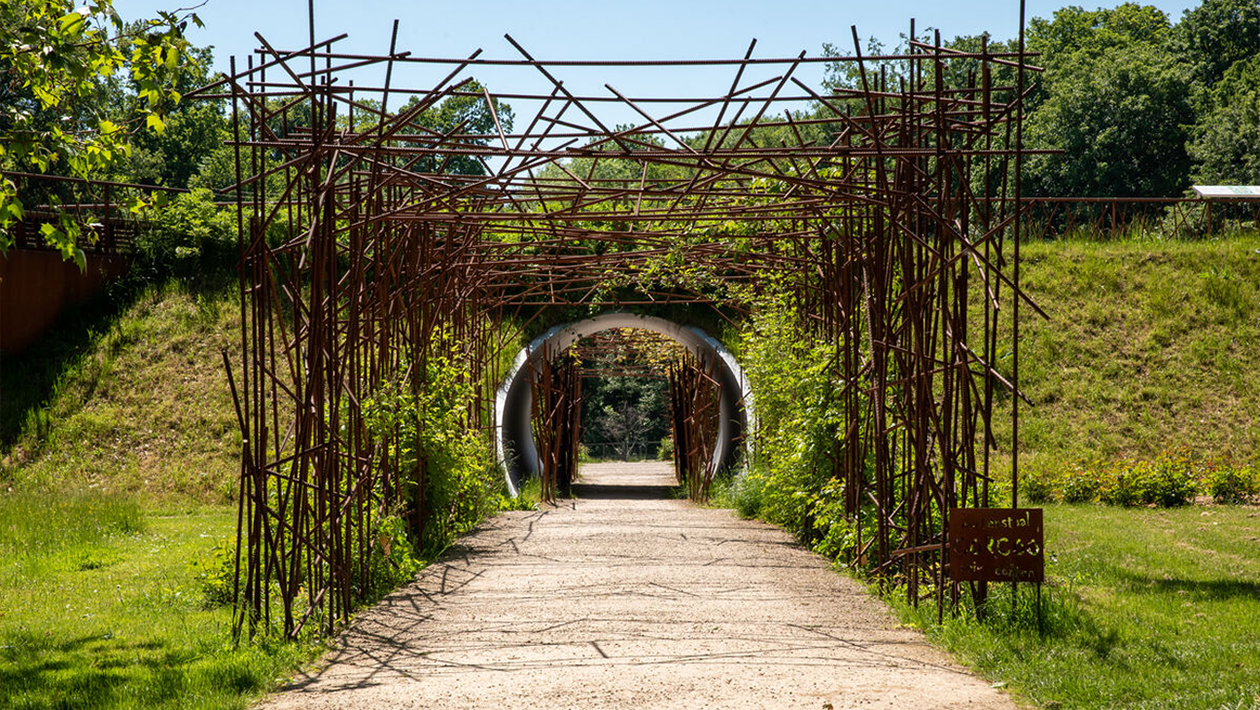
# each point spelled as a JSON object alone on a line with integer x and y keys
{"x": 372, "y": 243}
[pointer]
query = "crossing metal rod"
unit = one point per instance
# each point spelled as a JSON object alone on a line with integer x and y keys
{"x": 694, "y": 414}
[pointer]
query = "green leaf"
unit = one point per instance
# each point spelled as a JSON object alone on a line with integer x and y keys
{"x": 51, "y": 234}
{"x": 134, "y": 205}
{"x": 71, "y": 24}
{"x": 155, "y": 122}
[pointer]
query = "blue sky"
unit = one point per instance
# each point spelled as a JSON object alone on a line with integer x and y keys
{"x": 571, "y": 29}
{"x": 595, "y": 29}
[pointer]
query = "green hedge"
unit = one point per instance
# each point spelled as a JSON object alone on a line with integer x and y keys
{"x": 1173, "y": 478}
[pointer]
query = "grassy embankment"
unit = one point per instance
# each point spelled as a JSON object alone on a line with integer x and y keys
{"x": 139, "y": 405}
{"x": 118, "y": 474}
{"x": 1151, "y": 346}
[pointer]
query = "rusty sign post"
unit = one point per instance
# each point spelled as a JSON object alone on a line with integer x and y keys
{"x": 996, "y": 545}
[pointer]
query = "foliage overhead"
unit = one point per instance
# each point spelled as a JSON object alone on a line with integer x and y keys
{"x": 1226, "y": 139}
{"x": 1214, "y": 36}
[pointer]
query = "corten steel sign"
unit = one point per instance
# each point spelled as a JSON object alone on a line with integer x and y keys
{"x": 996, "y": 545}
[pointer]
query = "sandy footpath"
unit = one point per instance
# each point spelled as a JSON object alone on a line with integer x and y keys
{"x": 624, "y": 599}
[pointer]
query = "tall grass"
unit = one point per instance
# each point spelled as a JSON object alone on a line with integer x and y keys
{"x": 41, "y": 524}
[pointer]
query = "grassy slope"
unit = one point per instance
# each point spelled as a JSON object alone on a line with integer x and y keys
{"x": 144, "y": 409}
{"x": 1151, "y": 345}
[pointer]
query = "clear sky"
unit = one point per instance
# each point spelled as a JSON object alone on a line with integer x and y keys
{"x": 597, "y": 29}
{"x": 590, "y": 29}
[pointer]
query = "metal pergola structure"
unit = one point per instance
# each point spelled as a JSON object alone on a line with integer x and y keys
{"x": 890, "y": 208}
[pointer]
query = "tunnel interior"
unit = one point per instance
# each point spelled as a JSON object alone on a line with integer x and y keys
{"x": 515, "y": 442}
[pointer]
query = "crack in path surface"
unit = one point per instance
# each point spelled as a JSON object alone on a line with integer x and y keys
{"x": 624, "y": 599}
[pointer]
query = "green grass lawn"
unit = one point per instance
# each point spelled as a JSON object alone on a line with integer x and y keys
{"x": 1148, "y": 608}
{"x": 101, "y": 607}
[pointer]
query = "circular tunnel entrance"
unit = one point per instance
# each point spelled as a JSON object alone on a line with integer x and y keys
{"x": 514, "y": 402}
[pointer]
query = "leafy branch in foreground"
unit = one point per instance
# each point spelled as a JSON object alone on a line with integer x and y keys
{"x": 56, "y": 62}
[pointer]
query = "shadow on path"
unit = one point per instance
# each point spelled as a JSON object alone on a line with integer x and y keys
{"x": 626, "y": 597}
{"x": 601, "y": 491}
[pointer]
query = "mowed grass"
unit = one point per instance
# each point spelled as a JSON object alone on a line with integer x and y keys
{"x": 101, "y": 607}
{"x": 1146, "y": 608}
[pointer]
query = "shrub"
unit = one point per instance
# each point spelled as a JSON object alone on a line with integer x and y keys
{"x": 189, "y": 233}
{"x": 742, "y": 491}
{"x": 1170, "y": 480}
{"x": 1231, "y": 484}
{"x": 1119, "y": 487}
{"x": 790, "y": 373}
{"x": 449, "y": 476}
{"x": 393, "y": 560}
{"x": 665, "y": 452}
{"x": 1040, "y": 486}
{"x": 215, "y": 573}
{"x": 835, "y": 534}
{"x": 1082, "y": 484}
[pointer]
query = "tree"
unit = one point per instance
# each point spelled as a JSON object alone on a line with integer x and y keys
{"x": 625, "y": 410}
{"x": 1226, "y": 138}
{"x": 55, "y": 59}
{"x": 1074, "y": 29}
{"x": 464, "y": 114}
{"x": 1112, "y": 100}
{"x": 624, "y": 424}
{"x": 194, "y": 130}
{"x": 1214, "y": 36}
{"x": 1119, "y": 117}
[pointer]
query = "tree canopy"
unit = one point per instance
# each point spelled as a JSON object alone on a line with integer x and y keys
{"x": 1138, "y": 104}
{"x": 1134, "y": 102}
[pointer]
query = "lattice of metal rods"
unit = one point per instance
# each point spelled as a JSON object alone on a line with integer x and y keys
{"x": 891, "y": 207}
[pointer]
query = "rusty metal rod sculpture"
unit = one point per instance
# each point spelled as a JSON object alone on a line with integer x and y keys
{"x": 374, "y": 240}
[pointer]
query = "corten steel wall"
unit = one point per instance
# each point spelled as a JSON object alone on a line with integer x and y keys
{"x": 37, "y": 286}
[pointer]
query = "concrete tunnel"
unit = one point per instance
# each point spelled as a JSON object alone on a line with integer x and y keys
{"x": 514, "y": 400}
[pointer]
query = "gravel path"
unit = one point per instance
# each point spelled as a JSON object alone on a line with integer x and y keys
{"x": 626, "y": 599}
